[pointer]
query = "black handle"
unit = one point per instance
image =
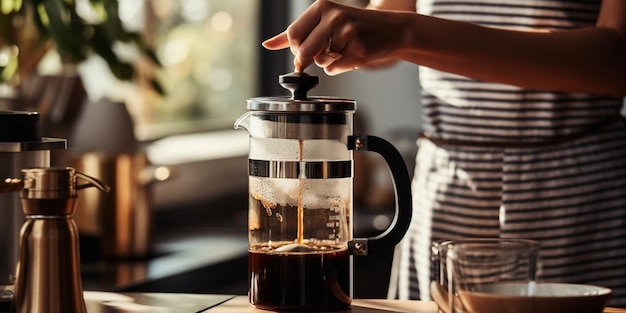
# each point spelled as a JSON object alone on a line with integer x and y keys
{"x": 402, "y": 185}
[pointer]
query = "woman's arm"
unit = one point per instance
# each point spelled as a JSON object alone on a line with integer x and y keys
{"x": 392, "y": 5}
{"x": 589, "y": 59}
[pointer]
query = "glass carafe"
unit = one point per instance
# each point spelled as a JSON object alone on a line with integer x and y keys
{"x": 300, "y": 218}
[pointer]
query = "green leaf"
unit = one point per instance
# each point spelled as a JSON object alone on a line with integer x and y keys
{"x": 60, "y": 28}
{"x": 121, "y": 70}
{"x": 75, "y": 38}
{"x": 9, "y": 70}
{"x": 156, "y": 85}
{"x": 10, "y": 6}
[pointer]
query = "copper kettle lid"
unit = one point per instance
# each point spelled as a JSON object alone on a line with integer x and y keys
{"x": 49, "y": 183}
{"x": 55, "y": 183}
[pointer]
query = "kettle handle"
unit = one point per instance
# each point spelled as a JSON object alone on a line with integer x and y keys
{"x": 92, "y": 182}
{"x": 402, "y": 186}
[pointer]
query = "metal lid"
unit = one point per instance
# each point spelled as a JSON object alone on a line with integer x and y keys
{"x": 20, "y": 131}
{"x": 299, "y": 84}
{"x": 16, "y": 126}
{"x": 49, "y": 183}
{"x": 43, "y": 144}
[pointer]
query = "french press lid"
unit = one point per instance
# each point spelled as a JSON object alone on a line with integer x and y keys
{"x": 299, "y": 84}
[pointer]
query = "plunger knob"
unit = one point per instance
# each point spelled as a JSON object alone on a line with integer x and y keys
{"x": 298, "y": 83}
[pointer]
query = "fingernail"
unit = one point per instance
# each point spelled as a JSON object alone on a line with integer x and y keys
{"x": 335, "y": 55}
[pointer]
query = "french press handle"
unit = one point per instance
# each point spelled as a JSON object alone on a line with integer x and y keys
{"x": 402, "y": 186}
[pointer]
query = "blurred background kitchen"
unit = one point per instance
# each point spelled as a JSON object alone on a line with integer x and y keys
{"x": 162, "y": 135}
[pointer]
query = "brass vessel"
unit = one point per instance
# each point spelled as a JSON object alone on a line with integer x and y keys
{"x": 48, "y": 271}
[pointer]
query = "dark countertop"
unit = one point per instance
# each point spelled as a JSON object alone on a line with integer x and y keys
{"x": 193, "y": 260}
{"x": 196, "y": 248}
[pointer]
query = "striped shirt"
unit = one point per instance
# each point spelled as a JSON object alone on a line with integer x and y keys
{"x": 570, "y": 196}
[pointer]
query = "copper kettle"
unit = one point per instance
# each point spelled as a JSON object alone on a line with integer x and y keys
{"x": 48, "y": 271}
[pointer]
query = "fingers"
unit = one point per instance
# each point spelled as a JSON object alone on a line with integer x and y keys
{"x": 308, "y": 35}
{"x": 341, "y": 66}
{"x": 277, "y": 42}
{"x": 329, "y": 55}
{"x": 318, "y": 47}
{"x": 303, "y": 29}
{"x": 344, "y": 53}
{"x": 324, "y": 60}
{"x": 281, "y": 41}
{"x": 319, "y": 36}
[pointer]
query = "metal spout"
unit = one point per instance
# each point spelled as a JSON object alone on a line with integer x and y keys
{"x": 243, "y": 122}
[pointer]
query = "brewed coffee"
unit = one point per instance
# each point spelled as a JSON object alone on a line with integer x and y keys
{"x": 315, "y": 280}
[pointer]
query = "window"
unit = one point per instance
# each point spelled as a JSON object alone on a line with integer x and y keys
{"x": 212, "y": 61}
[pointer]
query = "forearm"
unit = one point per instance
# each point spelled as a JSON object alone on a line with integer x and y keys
{"x": 583, "y": 60}
{"x": 392, "y": 5}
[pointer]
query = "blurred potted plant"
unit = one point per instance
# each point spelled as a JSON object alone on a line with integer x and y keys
{"x": 77, "y": 29}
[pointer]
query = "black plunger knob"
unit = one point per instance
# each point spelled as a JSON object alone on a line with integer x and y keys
{"x": 298, "y": 83}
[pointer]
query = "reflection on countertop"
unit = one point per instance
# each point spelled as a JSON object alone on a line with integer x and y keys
{"x": 189, "y": 260}
{"x": 110, "y": 302}
{"x": 194, "y": 249}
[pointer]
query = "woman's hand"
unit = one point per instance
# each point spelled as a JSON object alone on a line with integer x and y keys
{"x": 339, "y": 38}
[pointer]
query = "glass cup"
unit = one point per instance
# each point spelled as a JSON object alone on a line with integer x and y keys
{"x": 477, "y": 268}
{"x": 438, "y": 251}
{"x": 438, "y": 273}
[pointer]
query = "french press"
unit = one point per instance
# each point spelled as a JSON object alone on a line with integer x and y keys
{"x": 300, "y": 215}
{"x": 48, "y": 271}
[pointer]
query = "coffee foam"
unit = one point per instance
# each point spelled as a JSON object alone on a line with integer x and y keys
{"x": 314, "y": 193}
{"x": 279, "y": 149}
